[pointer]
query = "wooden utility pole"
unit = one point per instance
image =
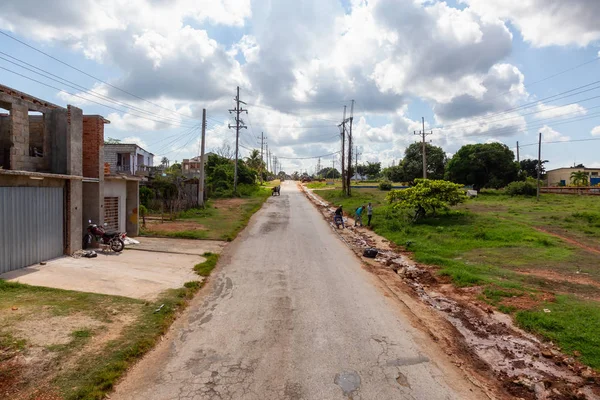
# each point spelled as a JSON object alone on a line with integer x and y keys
{"x": 423, "y": 134}
{"x": 349, "y": 175}
{"x": 202, "y": 161}
{"x": 539, "y": 166}
{"x": 239, "y": 124}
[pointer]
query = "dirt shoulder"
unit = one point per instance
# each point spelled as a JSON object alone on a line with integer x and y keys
{"x": 485, "y": 343}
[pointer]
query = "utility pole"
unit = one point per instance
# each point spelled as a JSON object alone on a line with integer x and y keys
{"x": 239, "y": 124}
{"x": 423, "y": 133}
{"x": 348, "y": 175}
{"x": 262, "y": 160}
{"x": 356, "y": 155}
{"x": 539, "y": 167}
{"x": 202, "y": 161}
{"x": 319, "y": 166}
{"x": 343, "y": 126}
{"x": 518, "y": 160}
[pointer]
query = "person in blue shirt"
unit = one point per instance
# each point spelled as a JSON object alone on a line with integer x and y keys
{"x": 359, "y": 213}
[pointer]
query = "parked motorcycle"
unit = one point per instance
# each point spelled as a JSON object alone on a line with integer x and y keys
{"x": 114, "y": 240}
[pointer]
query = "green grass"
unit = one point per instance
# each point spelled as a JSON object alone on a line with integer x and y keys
{"x": 206, "y": 267}
{"x": 223, "y": 219}
{"x": 93, "y": 376}
{"x": 488, "y": 239}
{"x": 317, "y": 185}
{"x": 571, "y": 323}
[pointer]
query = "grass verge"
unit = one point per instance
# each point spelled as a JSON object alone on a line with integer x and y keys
{"x": 223, "y": 219}
{"x": 91, "y": 373}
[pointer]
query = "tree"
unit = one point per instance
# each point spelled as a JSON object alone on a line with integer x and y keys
{"x": 529, "y": 167}
{"x": 281, "y": 175}
{"x": 164, "y": 162}
{"x": 112, "y": 141}
{"x": 225, "y": 151}
{"x": 579, "y": 178}
{"x": 395, "y": 173}
{"x": 254, "y": 161}
{"x": 427, "y": 197}
{"x": 361, "y": 169}
{"x": 296, "y": 176}
{"x": 329, "y": 173}
{"x": 413, "y": 161}
{"x": 372, "y": 169}
{"x": 483, "y": 165}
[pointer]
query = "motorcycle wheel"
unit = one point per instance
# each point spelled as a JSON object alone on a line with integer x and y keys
{"x": 117, "y": 245}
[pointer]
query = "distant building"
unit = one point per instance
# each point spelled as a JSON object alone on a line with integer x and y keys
{"x": 562, "y": 176}
{"x": 191, "y": 167}
{"x": 127, "y": 158}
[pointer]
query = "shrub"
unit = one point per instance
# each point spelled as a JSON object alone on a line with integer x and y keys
{"x": 385, "y": 185}
{"x": 427, "y": 197}
{"x": 523, "y": 188}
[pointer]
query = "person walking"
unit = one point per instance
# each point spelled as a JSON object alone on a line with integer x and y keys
{"x": 358, "y": 217}
{"x": 369, "y": 214}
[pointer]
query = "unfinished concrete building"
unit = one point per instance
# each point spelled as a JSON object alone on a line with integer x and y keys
{"x": 43, "y": 205}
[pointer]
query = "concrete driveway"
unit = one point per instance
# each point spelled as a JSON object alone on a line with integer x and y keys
{"x": 132, "y": 273}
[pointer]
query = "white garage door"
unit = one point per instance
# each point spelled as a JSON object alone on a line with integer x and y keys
{"x": 31, "y": 226}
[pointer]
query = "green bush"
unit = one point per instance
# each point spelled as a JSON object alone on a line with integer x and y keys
{"x": 522, "y": 188}
{"x": 427, "y": 197}
{"x": 385, "y": 185}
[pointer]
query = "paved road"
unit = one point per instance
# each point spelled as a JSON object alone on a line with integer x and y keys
{"x": 291, "y": 315}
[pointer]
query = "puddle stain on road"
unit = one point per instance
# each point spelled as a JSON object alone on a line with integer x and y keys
{"x": 402, "y": 380}
{"x": 349, "y": 381}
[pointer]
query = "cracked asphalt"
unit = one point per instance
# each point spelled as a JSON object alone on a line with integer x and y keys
{"x": 291, "y": 314}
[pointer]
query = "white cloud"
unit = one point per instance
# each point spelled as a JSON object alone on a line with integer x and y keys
{"x": 135, "y": 140}
{"x": 549, "y": 134}
{"x": 547, "y": 22}
{"x": 551, "y": 111}
{"x": 596, "y": 131}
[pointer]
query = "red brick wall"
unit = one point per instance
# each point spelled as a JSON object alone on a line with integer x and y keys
{"x": 93, "y": 145}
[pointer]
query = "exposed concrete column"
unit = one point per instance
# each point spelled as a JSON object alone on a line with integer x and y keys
{"x": 74, "y": 215}
{"x": 19, "y": 137}
{"x": 74, "y": 141}
{"x": 132, "y": 207}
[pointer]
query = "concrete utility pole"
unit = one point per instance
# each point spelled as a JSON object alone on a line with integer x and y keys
{"x": 539, "y": 167}
{"x": 343, "y": 126}
{"x": 423, "y": 133}
{"x": 319, "y": 166}
{"x": 262, "y": 160}
{"x": 201, "y": 180}
{"x": 518, "y": 160}
{"x": 239, "y": 124}
{"x": 356, "y": 155}
{"x": 349, "y": 175}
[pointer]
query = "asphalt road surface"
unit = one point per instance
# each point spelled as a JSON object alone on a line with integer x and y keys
{"x": 291, "y": 314}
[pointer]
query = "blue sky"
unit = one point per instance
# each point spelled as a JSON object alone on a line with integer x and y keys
{"x": 467, "y": 66}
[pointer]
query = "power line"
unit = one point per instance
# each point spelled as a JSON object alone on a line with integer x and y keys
{"x": 91, "y": 76}
{"x": 308, "y": 158}
{"x": 79, "y": 87}
{"x": 561, "y": 141}
{"x": 92, "y": 101}
{"x": 528, "y": 105}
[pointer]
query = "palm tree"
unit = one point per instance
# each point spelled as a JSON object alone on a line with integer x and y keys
{"x": 164, "y": 162}
{"x": 579, "y": 178}
{"x": 254, "y": 161}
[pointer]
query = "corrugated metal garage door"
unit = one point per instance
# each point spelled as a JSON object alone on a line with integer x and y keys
{"x": 31, "y": 226}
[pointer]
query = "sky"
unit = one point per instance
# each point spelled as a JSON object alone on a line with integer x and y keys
{"x": 477, "y": 71}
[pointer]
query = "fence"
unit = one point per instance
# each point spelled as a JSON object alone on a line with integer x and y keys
{"x": 579, "y": 190}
